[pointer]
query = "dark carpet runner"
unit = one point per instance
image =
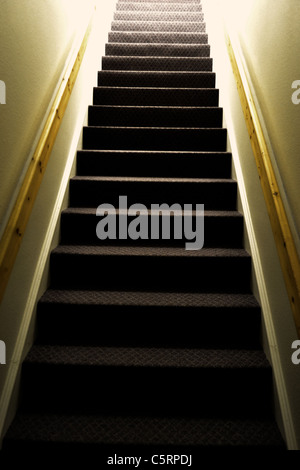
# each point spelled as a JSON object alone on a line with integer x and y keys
{"x": 143, "y": 344}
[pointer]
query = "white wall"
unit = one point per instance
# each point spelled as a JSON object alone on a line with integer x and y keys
{"x": 268, "y": 33}
{"x": 35, "y": 40}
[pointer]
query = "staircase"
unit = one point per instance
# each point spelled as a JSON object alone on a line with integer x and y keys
{"x": 143, "y": 345}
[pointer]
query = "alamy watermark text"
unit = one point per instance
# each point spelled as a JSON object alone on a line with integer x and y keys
{"x": 296, "y": 354}
{"x": 188, "y": 224}
{"x": 296, "y": 94}
{"x": 2, "y": 92}
{"x": 2, "y": 352}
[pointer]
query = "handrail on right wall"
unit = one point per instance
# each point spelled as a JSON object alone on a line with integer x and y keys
{"x": 285, "y": 244}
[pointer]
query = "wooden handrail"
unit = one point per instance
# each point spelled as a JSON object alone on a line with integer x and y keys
{"x": 17, "y": 222}
{"x": 286, "y": 248}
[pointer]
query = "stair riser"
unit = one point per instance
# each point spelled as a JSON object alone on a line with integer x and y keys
{"x": 184, "y": 64}
{"x": 93, "y": 192}
{"x": 122, "y": 138}
{"x": 155, "y": 117}
{"x": 157, "y": 37}
{"x": 155, "y": 97}
{"x": 156, "y": 79}
{"x": 179, "y": 327}
{"x": 152, "y": 164}
{"x": 150, "y": 273}
{"x": 158, "y": 6}
{"x": 218, "y": 231}
{"x": 147, "y": 390}
{"x": 160, "y": 26}
{"x": 159, "y": 50}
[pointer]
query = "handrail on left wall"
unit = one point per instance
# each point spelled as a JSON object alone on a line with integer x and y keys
{"x": 15, "y": 228}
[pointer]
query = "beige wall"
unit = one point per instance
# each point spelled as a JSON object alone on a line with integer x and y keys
{"x": 35, "y": 41}
{"x": 268, "y": 33}
{"x": 35, "y": 38}
{"x": 270, "y": 40}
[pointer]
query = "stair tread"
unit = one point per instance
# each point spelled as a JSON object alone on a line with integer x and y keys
{"x": 154, "y": 138}
{"x": 146, "y": 78}
{"x": 146, "y": 357}
{"x": 172, "y": 89}
{"x": 174, "y": 26}
{"x": 162, "y": 129}
{"x": 141, "y": 179}
{"x": 154, "y": 37}
{"x": 157, "y": 58}
{"x": 136, "y": 15}
{"x": 162, "y": 116}
{"x": 161, "y": 153}
{"x": 91, "y": 211}
{"x": 131, "y": 310}
{"x": 157, "y": 73}
{"x": 150, "y": 163}
{"x": 158, "y": 6}
{"x": 157, "y": 49}
{"x": 176, "y": 23}
{"x": 157, "y": 1}
{"x": 153, "y": 96}
{"x": 158, "y": 90}
{"x": 159, "y": 108}
{"x": 135, "y": 62}
{"x": 159, "y": 299}
{"x": 139, "y": 430}
{"x": 148, "y": 251}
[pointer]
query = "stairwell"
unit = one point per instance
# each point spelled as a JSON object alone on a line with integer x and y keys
{"x": 141, "y": 344}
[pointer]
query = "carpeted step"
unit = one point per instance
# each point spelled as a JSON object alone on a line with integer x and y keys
{"x": 154, "y": 138}
{"x": 160, "y": 50}
{"x": 151, "y": 319}
{"x": 218, "y": 194}
{"x": 185, "y": 64}
{"x": 158, "y": 16}
{"x": 150, "y": 268}
{"x": 101, "y": 436}
{"x": 160, "y": 26}
{"x": 137, "y": 96}
{"x": 155, "y": 116}
{"x": 154, "y": 164}
{"x": 144, "y": 79}
{"x": 88, "y": 378}
{"x": 222, "y": 229}
{"x": 158, "y": 6}
{"x": 157, "y": 37}
{"x": 156, "y": 1}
